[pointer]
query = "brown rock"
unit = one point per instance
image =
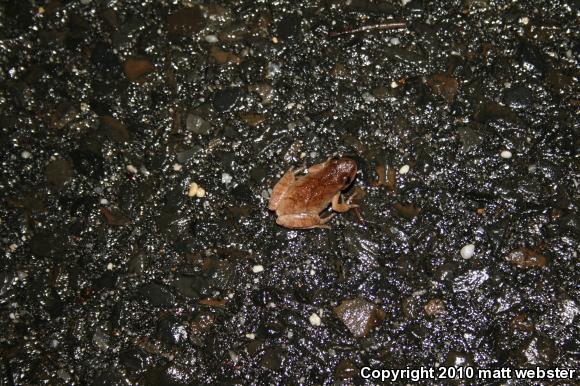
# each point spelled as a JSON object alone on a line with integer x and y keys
{"x": 213, "y": 302}
{"x": 114, "y": 128}
{"x": 526, "y": 258}
{"x": 59, "y": 172}
{"x": 253, "y": 119}
{"x": 444, "y": 85}
{"x": 185, "y": 22}
{"x": 435, "y": 308}
{"x": 221, "y": 57}
{"x": 114, "y": 217}
{"x": 345, "y": 369}
{"x": 135, "y": 68}
{"x": 408, "y": 211}
{"x": 359, "y": 315}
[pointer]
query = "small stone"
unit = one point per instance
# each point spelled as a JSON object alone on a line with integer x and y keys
{"x": 193, "y": 188}
{"x": 314, "y": 319}
{"x": 467, "y": 251}
{"x": 200, "y": 192}
{"x": 131, "y": 169}
{"x": 258, "y": 268}
{"x": 506, "y": 154}
{"x": 394, "y": 84}
{"x": 359, "y": 315}
{"x": 435, "y": 307}
{"x": 177, "y": 167}
{"x": 211, "y": 38}
{"x": 404, "y": 169}
{"x": 110, "y": 267}
{"x": 186, "y": 21}
{"x": 251, "y": 335}
{"x": 524, "y": 20}
{"x": 197, "y": 124}
{"x": 526, "y": 258}
{"x": 226, "y": 178}
{"x": 135, "y": 68}
{"x": 26, "y": 154}
{"x": 59, "y": 172}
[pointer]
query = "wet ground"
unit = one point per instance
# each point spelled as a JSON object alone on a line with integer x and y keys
{"x": 141, "y": 140}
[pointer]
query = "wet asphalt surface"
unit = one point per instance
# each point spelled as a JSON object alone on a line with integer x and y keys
{"x": 117, "y": 269}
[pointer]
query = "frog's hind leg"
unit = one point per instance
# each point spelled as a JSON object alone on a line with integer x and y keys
{"x": 340, "y": 206}
{"x": 303, "y": 221}
{"x": 281, "y": 187}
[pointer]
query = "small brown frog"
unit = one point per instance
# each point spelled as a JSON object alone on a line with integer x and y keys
{"x": 298, "y": 200}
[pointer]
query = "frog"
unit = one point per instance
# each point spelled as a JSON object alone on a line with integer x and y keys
{"x": 298, "y": 200}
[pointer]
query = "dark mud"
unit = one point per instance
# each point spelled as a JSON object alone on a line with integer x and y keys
{"x": 465, "y": 129}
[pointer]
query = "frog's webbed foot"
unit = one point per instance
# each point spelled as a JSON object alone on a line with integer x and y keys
{"x": 340, "y": 206}
{"x": 303, "y": 221}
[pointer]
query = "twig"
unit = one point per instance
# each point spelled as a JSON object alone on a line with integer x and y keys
{"x": 373, "y": 27}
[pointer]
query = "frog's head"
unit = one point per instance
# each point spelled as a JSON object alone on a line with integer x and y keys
{"x": 345, "y": 171}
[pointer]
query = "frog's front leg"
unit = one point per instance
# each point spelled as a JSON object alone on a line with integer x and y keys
{"x": 303, "y": 221}
{"x": 282, "y": 187}
{"x": 342, "y": 207}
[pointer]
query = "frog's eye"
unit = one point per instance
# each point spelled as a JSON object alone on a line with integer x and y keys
{"x": 346, "y": 180}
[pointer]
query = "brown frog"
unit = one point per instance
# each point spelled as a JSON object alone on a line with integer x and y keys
{"x": 298, "y": 200}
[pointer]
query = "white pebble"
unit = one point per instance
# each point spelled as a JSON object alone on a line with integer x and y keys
{"x": 251, "y": 335}
{"x": 177, "y": 167}
{"x": 524, "y": 20}
{"x": 193, "y": 188}
{"x": 404, "y": 169}
{"x": 200, "y": 192}
{"x": 258, "y": 268}
{"x": 395, "y": 41}
{"x": 315, "y": 319}
{"x": 506, "y": 154}
{"x": 110, "y": 266}
{"x": 131, "y": 169}
{"x": 26, "y": 154}
{"x": 226, "y": 178}
{"x": 104, "y": 201}
{"x": 467, "y": 251}
{"x": 211, "y": 39}
{"x": 394, "y": 84}
{"x": 368, "y": 98}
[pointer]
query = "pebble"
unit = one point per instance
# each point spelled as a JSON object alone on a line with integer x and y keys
{"x": 226, "y": 178}
{"x": 394, "y": 84}
{"x": 110, "y": 266}
{"x": 193, "y": 188}
{"x": 211, "y": 38}
{"x": 404, "y": 169}
{"x": 258, "y": 268}
{"x": 26, "y": 154}
{"x": 467, "y": 251}
{"x": 506, "y": 154}
{"x": 314, "y": 319}
{"x": 131, "y": 169}
{"x": 251, "y": 335}
{"x": 200, "y": 192}
{"x": 177, "y": 167}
